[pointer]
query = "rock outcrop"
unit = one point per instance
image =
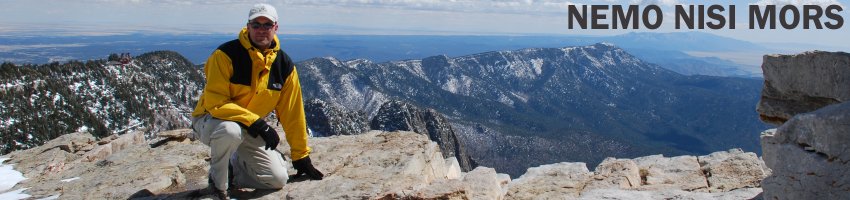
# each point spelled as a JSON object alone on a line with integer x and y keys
{"x": 801, "y": 83}
{"x": 372, "y": 165}
{"x": 397, "y": 115}
{"x": 808, "y": 154}
{"x": 326, "y": 119}
{"x": 655, "y": 176}
{"x": 77, "y": 166}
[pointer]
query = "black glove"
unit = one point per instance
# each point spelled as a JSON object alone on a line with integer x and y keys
{"x": 305, "y": 166}
{"x": 262, "y": 129}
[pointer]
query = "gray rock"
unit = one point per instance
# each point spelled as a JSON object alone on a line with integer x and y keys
{"x": 374, "y": 164}
{"x": 453, "y": 169}
{"x": 809, "y": 155}
{"x": 122, "y": 167}
{"x": 480, "y": 183}
{"x": 802, "y": 83}
{"x": 616, "y": 173}
{"x": 681, "y": 172}
{"x": 483, "y": 183}
{"x": 621, "y": 194}
{"x": 446, "y": 189}
{"x": 733, "y": 169}
{"x": 402, "y": 116}
{"x": 554, "y": 181}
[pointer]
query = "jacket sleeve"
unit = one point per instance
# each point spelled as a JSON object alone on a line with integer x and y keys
{"x": 217, "y": 95}
{"x": 290, "y": 113}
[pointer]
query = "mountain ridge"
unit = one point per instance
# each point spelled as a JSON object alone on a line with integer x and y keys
{"x": 597, "y": 91}
{"x": 96, "y": 96}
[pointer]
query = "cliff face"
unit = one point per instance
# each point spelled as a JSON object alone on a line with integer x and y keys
{"x": 806, "y": 94}
{"x": 372, "y": 165}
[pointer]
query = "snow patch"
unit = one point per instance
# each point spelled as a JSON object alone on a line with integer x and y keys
{"x": 522, "y": 97}
{"x": 83, "y": 129}
{"x": 9, "y": 179}
{"x": 505, "y": 100}
{"x": 16, "y": 194}
{"x": 70, "y": 179}
{"x": 451, "y": 85}
{"x": 537, "y": 66}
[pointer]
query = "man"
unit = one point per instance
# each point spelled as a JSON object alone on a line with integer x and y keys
{"x": 247, "y": 78}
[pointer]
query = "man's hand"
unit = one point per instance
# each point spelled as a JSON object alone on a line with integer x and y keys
{"x": 305, "y": 166}
{"x": 262, "y": 129}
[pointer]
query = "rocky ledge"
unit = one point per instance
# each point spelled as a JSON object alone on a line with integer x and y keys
{"x": 374, "y": 165}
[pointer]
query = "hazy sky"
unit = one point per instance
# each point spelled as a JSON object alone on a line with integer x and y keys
{"x": 417, "y": 17}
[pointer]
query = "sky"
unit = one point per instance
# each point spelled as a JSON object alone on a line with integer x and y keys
{"x": 369, "y": 17}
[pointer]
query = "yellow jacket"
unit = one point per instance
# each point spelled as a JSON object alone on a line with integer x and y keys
{"x": 245, "y": 84}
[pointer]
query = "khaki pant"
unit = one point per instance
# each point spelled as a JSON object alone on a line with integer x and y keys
{"x": 253, "y": 166}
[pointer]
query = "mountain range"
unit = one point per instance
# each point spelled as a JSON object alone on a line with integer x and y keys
{"x": 522, "y": 108}
{"x": 510, "y": 109}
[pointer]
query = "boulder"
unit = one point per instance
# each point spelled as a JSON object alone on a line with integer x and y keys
{"x": 681, "y": 172}
{"x": 484, "y": 183}
{"x": 371, "y": 165}
{"x": 553, "y": 181}
{"x": 802, "y": 83}
{"x": 809, "y": 155}
{"x": 733, "y": 169}
{"x": 480, "y": 183}
{"x": 616, "y": 173}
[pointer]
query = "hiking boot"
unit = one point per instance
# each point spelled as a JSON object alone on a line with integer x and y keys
{"x": 230, "y": 183}
{"x": 217, "y": 193}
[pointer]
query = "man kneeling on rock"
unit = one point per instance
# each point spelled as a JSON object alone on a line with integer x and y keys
{"x": 247, "y": 78}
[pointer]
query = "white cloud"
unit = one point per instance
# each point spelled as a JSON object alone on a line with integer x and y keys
{"x": 822, "y": 3}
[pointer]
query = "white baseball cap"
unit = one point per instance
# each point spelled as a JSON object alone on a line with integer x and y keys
{"x": 263, "y": 10}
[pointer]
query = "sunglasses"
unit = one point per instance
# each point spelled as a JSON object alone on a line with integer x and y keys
{"x": 257, "y": 25}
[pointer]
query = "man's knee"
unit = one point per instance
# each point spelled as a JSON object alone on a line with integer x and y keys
{"x": 276, "y": 177}
{"x": 275, "y": 180}
{"x": 227, "y": 130}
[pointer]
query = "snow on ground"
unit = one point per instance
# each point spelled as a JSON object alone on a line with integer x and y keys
{"x": 70, "y": 179}
{"x": 8, "y": 179}
{"x": 16, "y": 194}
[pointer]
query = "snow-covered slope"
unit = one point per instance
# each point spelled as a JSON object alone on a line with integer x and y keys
{"x": 154, "y": 92}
